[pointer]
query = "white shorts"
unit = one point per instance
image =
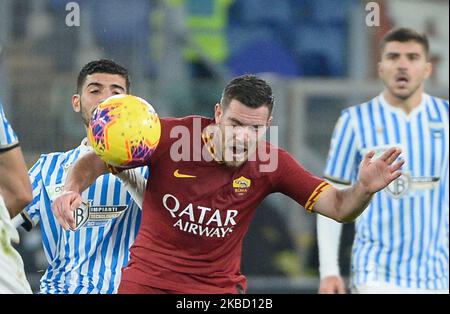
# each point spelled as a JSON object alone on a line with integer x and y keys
{"x": 12, "y": 274}
{"x": 387, "y": 288}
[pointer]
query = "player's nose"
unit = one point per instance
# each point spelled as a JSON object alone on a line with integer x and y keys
{"x": 402, "y": 64}
{"x": 242, "y": 134}
{"x": 101, "y": 100}
{"x": 105, "y": 95}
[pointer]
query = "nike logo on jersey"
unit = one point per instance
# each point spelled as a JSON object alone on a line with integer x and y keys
{"x": 177, "y": 174}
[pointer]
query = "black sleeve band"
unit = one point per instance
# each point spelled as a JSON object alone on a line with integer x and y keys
{"x": 5, "y": 149}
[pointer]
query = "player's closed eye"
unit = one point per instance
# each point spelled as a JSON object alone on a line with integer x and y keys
{"x": 244, "y": 127}
{"x": 392, "y": 57}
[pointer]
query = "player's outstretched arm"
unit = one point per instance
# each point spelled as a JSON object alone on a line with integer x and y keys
{"x": 374, "y": 175}
{"x": 83, "y": 173}
{"x": 15, "y": 186}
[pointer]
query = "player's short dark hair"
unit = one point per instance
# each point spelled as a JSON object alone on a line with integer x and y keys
{"x": 249, "y": 90}
{"x": 403, "y": 34}
{"x": 102, "y": 66}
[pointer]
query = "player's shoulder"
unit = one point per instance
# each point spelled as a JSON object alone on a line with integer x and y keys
{"x": 361, "y": 106}
{"x": 57, "y": 155}
{"x": 188, "y": 121}
{"x": 276, "y": 163}
{"x": 437, "y": 109}
{"x": 275, "y": 151}
{"x": 52, "y": 159}
{"x": 353, "y": 112}
{"x": 279, "y": 151}
{"x": 173, "y": 129}
{"x": 2, "y": 112}
{"x": 438, "y": 101}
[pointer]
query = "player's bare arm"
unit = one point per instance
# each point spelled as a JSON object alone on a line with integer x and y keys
{"x": 374, "y": 175}
{"x": 15, "y": 186}
{"x": 83, "y": 173}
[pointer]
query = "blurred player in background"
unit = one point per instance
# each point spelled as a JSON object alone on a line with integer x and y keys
{"x": 15, "y": 193}
{"x": 402, "y": 240}
{"x": 197, "y": 210}
{"x": 90, "y": 259}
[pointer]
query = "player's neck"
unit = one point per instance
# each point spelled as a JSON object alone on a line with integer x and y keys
{"x": 408, "y": 104}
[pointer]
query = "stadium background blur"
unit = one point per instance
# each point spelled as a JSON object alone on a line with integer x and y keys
{"x": 319, "y": 55}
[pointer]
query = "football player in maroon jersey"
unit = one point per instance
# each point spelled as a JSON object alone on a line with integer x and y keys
{"x": 207, "y": 177}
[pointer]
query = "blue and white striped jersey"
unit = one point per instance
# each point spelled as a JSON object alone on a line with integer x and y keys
{"x": 12, "y": 273}
{"x": 403, "y": 236}
{"x": 7, "y": 136}
{"x": 90, "y": 259}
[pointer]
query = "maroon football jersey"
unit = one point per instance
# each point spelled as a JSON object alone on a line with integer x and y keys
{"x": 197, "y": 212}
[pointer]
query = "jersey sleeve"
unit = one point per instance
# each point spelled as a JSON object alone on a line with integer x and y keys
{"x": 298, "y": 183}
{"x": 35, "y": 174}
{"x": 134, "y": 181}
{"x": 8, "y": 138}
{"x": 328, "y": 241}
{"x": 342, "y": 166}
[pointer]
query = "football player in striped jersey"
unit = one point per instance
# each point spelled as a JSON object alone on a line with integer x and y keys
{"x": 90, "y": 259}
{"x": 401, "y": 243}
{"x": 15, "y": 193}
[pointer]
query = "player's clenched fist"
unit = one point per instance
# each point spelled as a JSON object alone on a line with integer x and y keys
{"x": 63, "y": 208}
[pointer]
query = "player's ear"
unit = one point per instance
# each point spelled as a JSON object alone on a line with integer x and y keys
{"x": 380, "y": 69}
{"x": 217, "y": 113}
{"x": 269, "y": 121}
{"x": 428, "y": 69}
{"x": 76, "y": 103}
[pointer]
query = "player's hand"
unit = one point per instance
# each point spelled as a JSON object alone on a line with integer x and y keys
{"x": 332, "y": 285}
{"x": 63, "y": 208}
{"x": 375, "y": 175}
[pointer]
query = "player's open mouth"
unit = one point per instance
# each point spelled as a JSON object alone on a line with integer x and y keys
{"x": 402, "y": 79}
{"x": 237, "y": 150}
